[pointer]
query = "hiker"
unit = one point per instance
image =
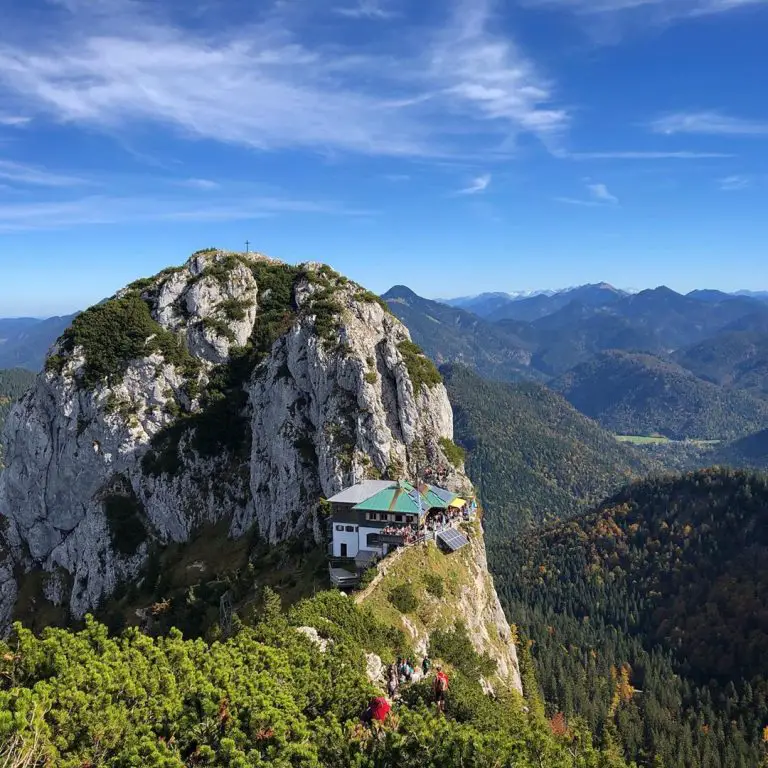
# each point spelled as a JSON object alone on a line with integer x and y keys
{"x": 408, "y": 670}
{"x": 377, "y": 710}
{"x": 392, "y": 683}
{"x": 440, "y": 688}
{"x": 426, "y": 665}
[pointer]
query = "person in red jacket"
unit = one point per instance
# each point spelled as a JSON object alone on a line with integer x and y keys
{"x": 441, "y": 688}
{"x": 377, "y": 710}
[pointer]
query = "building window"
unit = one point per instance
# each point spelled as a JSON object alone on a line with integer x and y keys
{"x": 350, "y": 529}
{"x": 382, "y": 515}
{"x": 399, "y": 518}
{"x": 339, "y": 527}
{"x": 372, "y": 540}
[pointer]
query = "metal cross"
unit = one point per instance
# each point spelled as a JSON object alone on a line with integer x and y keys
{"x": 247, "y": 246}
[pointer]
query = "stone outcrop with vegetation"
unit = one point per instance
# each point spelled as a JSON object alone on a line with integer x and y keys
{"x": 235, "y": 389}
{"x": 445, "y": 602}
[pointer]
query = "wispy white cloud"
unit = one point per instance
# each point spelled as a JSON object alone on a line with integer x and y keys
{"x": 491, "y": 76}
{"x": 477, "y": 185}
{"x": 396, "y": 177}
{"x": 734, "y": 183}
{"x": 708, "y": 123}
{"x": 599, "y": 196}
{"x": 643, "y": 155}
{"x": 203, "y": 184}
{"x": 14, "y": 121}
{"x": 665, "y": 10}
{"x": 365, "y": 9}
{"x": 577, "y": 201}
{"x": 113, "y": 210}
{"x": 19, "y": 173}
{"x": 600, "y": 193}
{"x": 265, "y": 87}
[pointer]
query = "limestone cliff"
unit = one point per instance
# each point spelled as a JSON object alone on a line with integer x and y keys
{"x": 235, "y": 388}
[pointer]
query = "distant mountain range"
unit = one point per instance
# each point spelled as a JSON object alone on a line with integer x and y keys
{"x": 528, "y": 305}
{"x": 24, "y": 341}
{"x": 651, "y": 362}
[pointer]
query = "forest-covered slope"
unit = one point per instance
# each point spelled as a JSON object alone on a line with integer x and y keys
{"x": 275, "y": 695}
{"x": 638, "y": 394}
{"x": 13, "y": 384}
{"x": 649, "y": 617}
{"x": 449, "y": 334}
{"x": 531, "y": 455}
{"x": 737, "y": 360}
{"x": 749, "y": 451}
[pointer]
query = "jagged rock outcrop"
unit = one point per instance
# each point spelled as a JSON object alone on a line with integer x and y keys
{"x": 234, "y": 388}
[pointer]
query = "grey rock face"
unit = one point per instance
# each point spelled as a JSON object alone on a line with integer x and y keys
{"x": 320, "y": 413}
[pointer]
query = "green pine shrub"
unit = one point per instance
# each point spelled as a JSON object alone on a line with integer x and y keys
{"x": 434, "y": 584}
{"x": 421, "y": 369}
{"x": 455, "y": 647}
{"x": 454, "y": 453}
{"x": 404, "y": 598}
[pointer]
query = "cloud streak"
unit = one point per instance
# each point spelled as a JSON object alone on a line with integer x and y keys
{"x": 365, "y": 9}
{"x": 734, "y": 183}
{"x": 666, "y": 10}
{"x": 19, "y": 173}
{"x": 92, "y": 210}
{"x": 708, "y": 124}
{"x": 201, "y": 184}
{"x": 644, "y": 155}
{"x": 14, "y": 121}
{"x": 600, "y": 193}
{"x": 599, "y": 196}
{"x": 477, "y": 185}
{"x": 268, "y": 89}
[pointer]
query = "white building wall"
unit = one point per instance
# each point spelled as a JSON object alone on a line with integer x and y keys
{"x": 343, "y": 536}
{"x": 363, "y": 539}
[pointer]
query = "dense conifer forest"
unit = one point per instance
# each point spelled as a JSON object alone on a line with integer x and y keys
{"x": 648, "y": 617}
{"x": 533, "y": 457}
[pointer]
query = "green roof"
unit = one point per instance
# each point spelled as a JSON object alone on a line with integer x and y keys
{"x": 436, "y": 497}
{"x": 402, "y": 498}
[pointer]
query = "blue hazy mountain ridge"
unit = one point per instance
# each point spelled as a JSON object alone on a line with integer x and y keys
{"x": 24, "y": 342}
{"x": 638, "y": 394}
{"x": 486, "y": 304}
{"x": 734, "y": 360}
{"x": 448, "y": 334}
{"x": 535, "y": 307}
{"x": 655, "y": 361}
{"x": 528, "y": 305}
{"x": 657, "y": 321}
{"x": 675, "y": 319}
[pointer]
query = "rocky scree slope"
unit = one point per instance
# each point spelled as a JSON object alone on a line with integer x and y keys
{"x": 235, "y": 388}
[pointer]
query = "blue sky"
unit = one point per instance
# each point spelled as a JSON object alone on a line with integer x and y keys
{"x": 456, "y": 146}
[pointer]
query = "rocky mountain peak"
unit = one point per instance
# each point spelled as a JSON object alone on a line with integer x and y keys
{"x": 234, "y": 388}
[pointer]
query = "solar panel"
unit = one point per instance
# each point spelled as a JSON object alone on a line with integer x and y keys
{"x": 452, "y": 539}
